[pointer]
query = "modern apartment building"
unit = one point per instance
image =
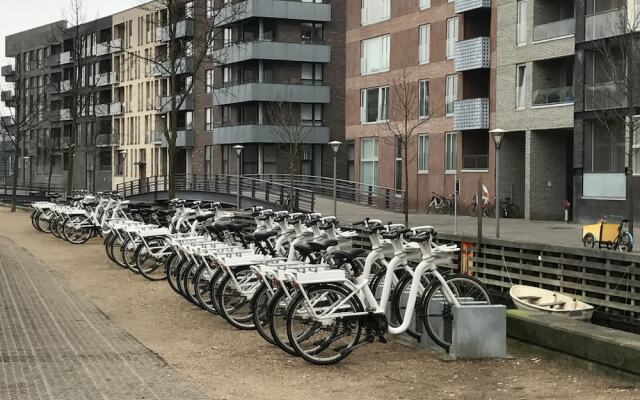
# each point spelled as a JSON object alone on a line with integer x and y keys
{"x": 444, "y": 50}
{"x": 535, "y": 103}
{"x": 277, "y": 52}
{"x": 606, "y": 94}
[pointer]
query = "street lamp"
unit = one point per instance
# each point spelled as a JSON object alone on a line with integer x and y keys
{"x": 123, "y": 156}
{"x": 498, "y": 137}
{"x": 335, "y": 146}
{"x": 238, "y": 149}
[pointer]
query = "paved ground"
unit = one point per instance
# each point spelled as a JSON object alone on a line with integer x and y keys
{"x": 556, "y": 233}
{"x": 54, "y": 345}
{"x": 92, "y": 357}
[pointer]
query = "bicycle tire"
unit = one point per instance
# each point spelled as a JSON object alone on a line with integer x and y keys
{"x": 397, "y": 300}
{"x": 142, "y": 256}
{"x": 261, "y": 318}
{"x": 128, "y": 250}
{"x": 203, "y": 283}
{"x": 276, "y": 310}
{"x": 228, "y": 293}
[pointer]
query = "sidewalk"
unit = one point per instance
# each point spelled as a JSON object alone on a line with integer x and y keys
{"x": 54, "y": 345}
{"x": 556, "y": 233}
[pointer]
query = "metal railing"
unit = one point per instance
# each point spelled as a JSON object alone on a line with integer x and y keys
{"x": 475, "y": 162}
{"x": 553, "y": 95}
{"x": 605, "y": 24}
{"x": 555, "y": 29}
{"x": 251, "y": 188}
{"x": 602, "y": 96}
{"x": 347, "y": 191}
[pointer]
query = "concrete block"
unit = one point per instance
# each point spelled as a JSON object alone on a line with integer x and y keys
{"x": 479, "y": 331}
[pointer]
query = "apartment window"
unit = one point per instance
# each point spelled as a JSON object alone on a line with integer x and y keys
{"x": 225, "y": 159}
{"x": 208, "y": 113}
{"x": 311, "y": 114}
{"x": 451, "y": 94}
{"x": 398, "y": 163}
{"x": 209, "y": 81}
{"x": 104, "y": 160}
{"x": 208, "y": 160}
{"x": 521, "y": 86}
{"x": 210, "y": 9}
{"x": 424, "y": 98}
{"x": 311, "y": 32}
{"x": 425, "y": 43}
{"x": 521, "y": 23}
{"x": 375, "y": 11}
{"x": 306, "y": 160}
{"x": 374, "y": 55}
{"x": 369, "y": 161}
{"x": 604, "y": 146}
{"x": 374, "y": 105}
{"x": 188, "y": 9}
{"x": 311, "y": 74}
{"x": 425, "y": 4}
{"x": 452, "y": 37}
{"x": 451, "y": 152}
{"x": 351, "y": 161}
{"x": 423, "y": 154}
{"x": 269, "y": 158}
{"x": 227, "y": 36}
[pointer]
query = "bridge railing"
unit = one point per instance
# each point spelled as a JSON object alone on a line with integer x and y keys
{"x": 250, "y": 187}
{"x": 347, "y": 191}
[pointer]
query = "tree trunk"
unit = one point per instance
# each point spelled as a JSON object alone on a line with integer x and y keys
{"x": 291, "y": 188}
{"x": 14, "y": 195}
{"x": 406, "y": 184}
{"x": 72, "y": 153}
{"x": 51, "y": 161}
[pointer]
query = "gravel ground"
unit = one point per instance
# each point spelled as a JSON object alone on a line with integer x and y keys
{"x": 224, "y": 363}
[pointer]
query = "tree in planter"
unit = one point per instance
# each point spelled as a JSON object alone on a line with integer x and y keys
{"x": 290, "y": 135}
{"x": 408, "y": 112}
{"x": 24, "y": 114}
{"x": 613, "y": 93}
{"x": 183, "y": 51}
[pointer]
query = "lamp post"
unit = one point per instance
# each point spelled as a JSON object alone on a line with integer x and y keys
{"x": 238, "y": 149}
{"x": 498, "y": 137}
{"x": 335, "y": 146}
{"x": 123, "y": 154}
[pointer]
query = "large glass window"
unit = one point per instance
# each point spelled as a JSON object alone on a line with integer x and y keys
{"x": 423, "y": 153}
{"x": 604, "y": 146}
{"x": 351, "y": 161}
{"x": 424, "y": 99}
{"x": 374, "y": 104}
{"x": 425, "y": 42}
{"x": 369, "y": 161}
{"x": 209, "y": 81}
{"x": 375, "y": 11}
{"x": 311, "y": 32}
{"x": 452, "y": 37}
{"x": 451, "y": 94}
{"x": 375, "y": 55}
{"x": 451, "y": 152}
{"x": 521, "y": 86}
{"x": 208, "y": 160}
{"x": 521, "y": 23}
{"x": 311, "y": 114}
{"x": 311, "y": 74}
{"x": 208, "y": 125}
{"x": 425, "y": 4}
{"x": 398, "y": 163}
{"x": 269, "y": 158}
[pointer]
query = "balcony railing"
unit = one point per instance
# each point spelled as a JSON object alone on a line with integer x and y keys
{"x": 555, "y": 29}
{"x": 164, "y": 103}
{"x": 604, "y": 96}
{"x": 102, "y": 110}
{"x": 184, "y": 65}
{"x": 557, "y": 95}
{"x": 105, "y": 79}
{"x": 111, "y": 46}
{"x": 469, "y": 5}
{"x": 7, "y": 96}
{"x": 475, "y": 162}
{"x": 471, "y": 114}
{"x": 116, "y": 108}
{"x": 605, "y": 24}
{"x": 472, "y": 54}
{"x": 108, "y": 140}
{"x": 183, "y": 29}
{"x": 64, "y": 86}
{"x": 8, "y": 73}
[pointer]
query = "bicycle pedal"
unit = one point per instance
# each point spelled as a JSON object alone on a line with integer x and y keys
{"x": 382, "y": 339}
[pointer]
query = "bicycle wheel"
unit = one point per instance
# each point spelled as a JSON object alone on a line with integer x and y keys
{"x": 399, "y": 302}
{"x": 184, "y": 271}
{"x": 626, "y": 242}
{"x": 76, "y": 235}
{"x": 128, "y": 251}
{"x": 472, "y": 210}
{"x": 173, "y": 266}
{"x": 261, "y": 317}
{"x": 43, "y": 221}
{"x": 326, "y": 342}
{"x": 149, "y": 265}
{"x": 276, "y": 310}
{"x": 116, "y": 251}
{"x": 188, "y": 283}
{"x": 54, "y": 225}
{"x": 234, "y": 298}
{"x": 203, "y": 281}
{"x": 437, "y": 309}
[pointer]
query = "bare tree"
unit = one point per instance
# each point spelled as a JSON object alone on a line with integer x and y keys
{"x": 170, "y": 61}
{"x": 25, "y": 108}
{"x": 407, "y": 114}
{"x": 290, "y": 134}
{"x": 614, "y": 94}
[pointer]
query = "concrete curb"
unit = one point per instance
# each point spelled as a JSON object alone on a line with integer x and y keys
{"x": 611, "y": 347}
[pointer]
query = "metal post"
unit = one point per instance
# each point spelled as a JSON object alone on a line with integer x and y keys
{"x": 497, "y": 207}
{"x": 479, "y": 210}
{"x": 455, "y": 203}
{"x": 238, "y": 184}
{"x": 335, "y": 185}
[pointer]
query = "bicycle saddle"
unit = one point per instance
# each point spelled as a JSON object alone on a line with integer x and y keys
{"x": 395, "y": 234}
{"x": 204, "y": 217}
{"x": 347, "y": 255}
{"x": 264, "y": 235}
{"x": 421, "y": 237}
{"x": 323, "y": 244}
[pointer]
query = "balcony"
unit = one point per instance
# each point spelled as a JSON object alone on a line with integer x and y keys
{"x": 64, "y": 115}
{"x": 184, "y": 138}
{"x": 183, "y": 29}
{"x": 280, "y": 51}
{"x": 7, "y": 96}
{"x": 102, "y": 110}
{"x": 7, "y": 121}
{"x": 473, "y": 54}
{"x": 604, "y": 96}
{"x": 184, "y": 65}
{"x": 8, "y": 73}
{"x": 157, "y": 137}
{"x": 605, "y": 24}
{"x": 553, "y": 96}
{"x": 105, "y": 79}
{"x": 463, "y": 6}
{"x": 116, "y": 109}
{"x": 58, "y": 59}
{"x": 164, "y": 103}
{"x": 280, "y": 9}
{"x": 108, "y": 140}
{"x": 64, "y": 86}
{"x": 475, "y": 162}
{"x": 471, "y": 114}
{"x": 264, "y": 134}
{"x": 109, "y": 47}
{"x": 554, "y": 30}
{"x": 261, "y": 91}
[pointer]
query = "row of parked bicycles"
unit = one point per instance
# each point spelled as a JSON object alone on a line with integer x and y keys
{"x": 295, "y": 278}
